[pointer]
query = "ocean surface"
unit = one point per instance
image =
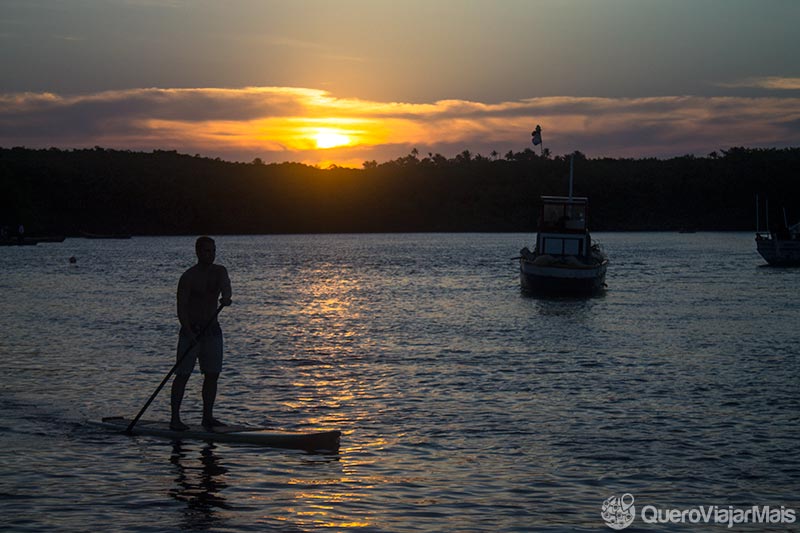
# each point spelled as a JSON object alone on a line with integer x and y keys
{"x": 465, "y": 405}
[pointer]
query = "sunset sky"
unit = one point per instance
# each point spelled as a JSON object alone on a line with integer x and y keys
{"x": 348, "y": 81}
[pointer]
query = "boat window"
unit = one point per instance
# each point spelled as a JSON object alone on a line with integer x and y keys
{"x": 559, "y": 246}
{"x": 552, "y": 214}
{"x": 564, "y": 216}
{"x": 576, "y": 217}
{"x": 553, "y": 246}
{"x": 572, "y": 247}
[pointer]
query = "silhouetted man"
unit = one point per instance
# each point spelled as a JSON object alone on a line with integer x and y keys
{"x": 198, "y": 291}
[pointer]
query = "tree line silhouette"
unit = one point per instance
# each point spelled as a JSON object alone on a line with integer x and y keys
{"x": 99, "y": 190}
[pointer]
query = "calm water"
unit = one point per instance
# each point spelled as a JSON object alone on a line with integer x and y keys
{"x": 465, "y": 405}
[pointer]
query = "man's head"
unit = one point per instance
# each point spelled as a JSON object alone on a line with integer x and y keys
{"x": 206, "y": 250}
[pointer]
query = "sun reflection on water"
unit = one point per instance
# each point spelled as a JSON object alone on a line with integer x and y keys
{"x": 329, "y": 384}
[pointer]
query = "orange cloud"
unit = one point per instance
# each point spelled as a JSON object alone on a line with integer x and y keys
{"x": 768, "y": 82}
{"x": 315, "y": 127}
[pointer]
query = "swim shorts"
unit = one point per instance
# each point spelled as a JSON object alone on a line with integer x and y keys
{"x": 208, "y": 350}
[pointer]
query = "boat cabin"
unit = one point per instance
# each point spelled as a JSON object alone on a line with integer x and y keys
{"x": 563, "y": 226}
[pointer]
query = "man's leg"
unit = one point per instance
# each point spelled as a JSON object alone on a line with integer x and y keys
{"x": 187, "y": 357}
{"x": 211, "y": 365}
{"x": 176, "y": 398}
{"x": 209, "y": 396}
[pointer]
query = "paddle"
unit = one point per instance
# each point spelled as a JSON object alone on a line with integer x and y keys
{"x": 129, "y": 430}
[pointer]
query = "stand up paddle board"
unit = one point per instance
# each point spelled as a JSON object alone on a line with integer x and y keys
{"x": 310, "y": 441}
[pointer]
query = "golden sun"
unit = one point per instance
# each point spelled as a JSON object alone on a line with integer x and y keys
{"x": 330, "y": 139}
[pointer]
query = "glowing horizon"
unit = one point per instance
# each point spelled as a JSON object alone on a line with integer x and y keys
{"x": 277, "y": 124}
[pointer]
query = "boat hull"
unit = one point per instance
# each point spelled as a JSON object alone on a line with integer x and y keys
{"x": 779, "y": 252}
{"x": 567, "y": 280}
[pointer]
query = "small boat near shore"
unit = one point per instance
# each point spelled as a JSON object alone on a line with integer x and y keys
{"x": 31, "y": 241}
{"x": 779, "y": 246}
{"x": 19, "y": 242}
{"x": 564, "y": 260}
{"x": 87, "y": 235}
{"x": 780, "y": 249}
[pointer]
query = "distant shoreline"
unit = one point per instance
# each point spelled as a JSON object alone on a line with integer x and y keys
{"x": 163, "y": 193}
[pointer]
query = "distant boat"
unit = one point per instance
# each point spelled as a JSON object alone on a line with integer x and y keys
{"x": 564, "y": 260}
{"x": 779, "y": 246}
{"x": 50, "y": 238}
{"x": 30, "y": 241}
{"x": 14, "y": 241}
{"x": 87, "y": 235}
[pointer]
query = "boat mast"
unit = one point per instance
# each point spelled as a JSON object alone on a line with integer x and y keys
{"x": 756, "y": 213}
{"x": 571, "y": 159}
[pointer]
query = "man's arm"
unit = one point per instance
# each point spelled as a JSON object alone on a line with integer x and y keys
{"x": 226, "y": 287}
{"x": 184, "y": 291}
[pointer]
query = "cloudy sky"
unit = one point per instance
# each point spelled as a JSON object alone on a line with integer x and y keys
{"x": 345, "y": 81}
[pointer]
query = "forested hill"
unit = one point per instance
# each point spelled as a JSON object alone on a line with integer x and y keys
{"x": 164, "y": 193}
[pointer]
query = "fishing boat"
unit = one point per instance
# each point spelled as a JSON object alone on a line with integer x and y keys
{"x": 564, "y": 261}
{"x": 779, "y": 246}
